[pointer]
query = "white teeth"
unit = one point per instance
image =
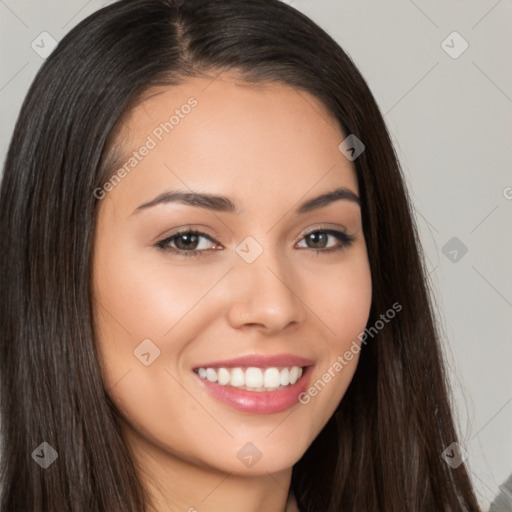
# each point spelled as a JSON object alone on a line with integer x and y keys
{"x": 237, "y": 377}
{"x": 252, "y": 378}
{"x": 211, "y": 374}
{"x": 294, "y": 374}
{"x": 224, "y": 376}
{"x": 271, "y": 378}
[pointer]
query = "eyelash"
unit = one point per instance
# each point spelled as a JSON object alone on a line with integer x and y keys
{"x": 344, "y": 238}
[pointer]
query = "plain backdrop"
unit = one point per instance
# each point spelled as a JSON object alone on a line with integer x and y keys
{"x": 441, "y": 74}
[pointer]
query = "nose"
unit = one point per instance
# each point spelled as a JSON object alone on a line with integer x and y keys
{"x": 266, "y": 294}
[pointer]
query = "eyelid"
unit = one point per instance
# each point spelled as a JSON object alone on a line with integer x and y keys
{"x": 323, "y": 227}
{"x": 189, "y": 228}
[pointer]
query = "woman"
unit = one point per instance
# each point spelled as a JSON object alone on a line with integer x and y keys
{"x": 293, "y": 362}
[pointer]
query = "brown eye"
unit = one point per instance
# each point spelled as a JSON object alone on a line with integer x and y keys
{"x": 186, "y": 243}
{"x": 319, "y": 239}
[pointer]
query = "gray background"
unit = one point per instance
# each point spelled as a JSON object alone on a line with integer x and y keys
{"x": 451, "y": 122}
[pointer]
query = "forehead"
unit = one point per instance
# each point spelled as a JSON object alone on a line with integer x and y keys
{"x": 226, "y": 135}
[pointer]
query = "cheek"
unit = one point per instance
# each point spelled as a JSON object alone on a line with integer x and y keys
{"x": 342, "y": 302}
{"x": 342, "y": 298}
{"x": 137, "y": 300}
{"x": 140, "y": 296}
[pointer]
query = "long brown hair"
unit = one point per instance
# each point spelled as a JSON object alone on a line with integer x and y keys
{"x": 381, "y": 450}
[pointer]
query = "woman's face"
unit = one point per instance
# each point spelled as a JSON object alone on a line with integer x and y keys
{"x": 254, "y": 284}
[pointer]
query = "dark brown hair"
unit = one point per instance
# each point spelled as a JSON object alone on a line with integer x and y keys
{"x": 381, "y": 450}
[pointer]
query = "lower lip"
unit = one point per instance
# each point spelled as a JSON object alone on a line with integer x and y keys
{"x": 259, "y": 402}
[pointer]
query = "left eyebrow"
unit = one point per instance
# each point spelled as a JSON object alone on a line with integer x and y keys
{"x": 326, "y": 199}
{"x": 225, "y": 204}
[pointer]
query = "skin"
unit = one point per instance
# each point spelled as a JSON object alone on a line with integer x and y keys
{"x": 269, "y": 148}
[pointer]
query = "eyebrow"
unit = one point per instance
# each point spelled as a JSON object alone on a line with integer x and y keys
{"x": 224, "y": 204}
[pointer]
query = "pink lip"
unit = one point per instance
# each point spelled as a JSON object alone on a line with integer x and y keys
{"x": 260, "y": 402}
{"x": 259, "y": 361}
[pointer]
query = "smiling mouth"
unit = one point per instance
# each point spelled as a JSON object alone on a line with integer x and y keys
{"x": 256, "y": 383}
{"x": 252, "y": 378}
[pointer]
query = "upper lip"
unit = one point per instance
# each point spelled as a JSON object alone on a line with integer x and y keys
{"x": 260, "y": 360}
